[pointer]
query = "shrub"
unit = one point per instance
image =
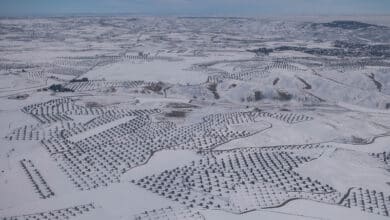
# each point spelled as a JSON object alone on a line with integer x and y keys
{"x": 155, "y": 87}
{"x": 178, "y": 114}
{"x": 59, "y": 88}
{"x": 84, "y": 79}
{"x": 258, "y": 95}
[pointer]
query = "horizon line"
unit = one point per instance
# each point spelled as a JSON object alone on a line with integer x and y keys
{"x": 124, "y": 14}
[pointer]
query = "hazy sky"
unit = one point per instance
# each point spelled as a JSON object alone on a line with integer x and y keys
{"x": 195, "y": 7}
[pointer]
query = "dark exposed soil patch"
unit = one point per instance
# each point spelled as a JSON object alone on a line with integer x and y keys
{"x": 213, "y": 88}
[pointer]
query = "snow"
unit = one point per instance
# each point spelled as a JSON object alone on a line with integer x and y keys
{"x": 346, "y": 168}
{"x": 318, "y": 210}
{"x": 160, "y": 161}
{"x": 97, "y": 130}
{"x": 173, "y": 72}
{"x": 230, "y": 129}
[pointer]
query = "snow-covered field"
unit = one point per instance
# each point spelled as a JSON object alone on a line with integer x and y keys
{"x": 195, "y": 118}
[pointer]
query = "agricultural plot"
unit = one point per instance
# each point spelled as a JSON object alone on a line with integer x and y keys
{"x": 169, "y": 213}
{"x": 66, "y": 213}
{"x": 95, "y": 85}
{"x": 27, "y": 132}
{"x": 218, "y": 182}
{"x": 250, "y": 179}
{"x": 38, "y": 182}
{"x": 367, "y": 200}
